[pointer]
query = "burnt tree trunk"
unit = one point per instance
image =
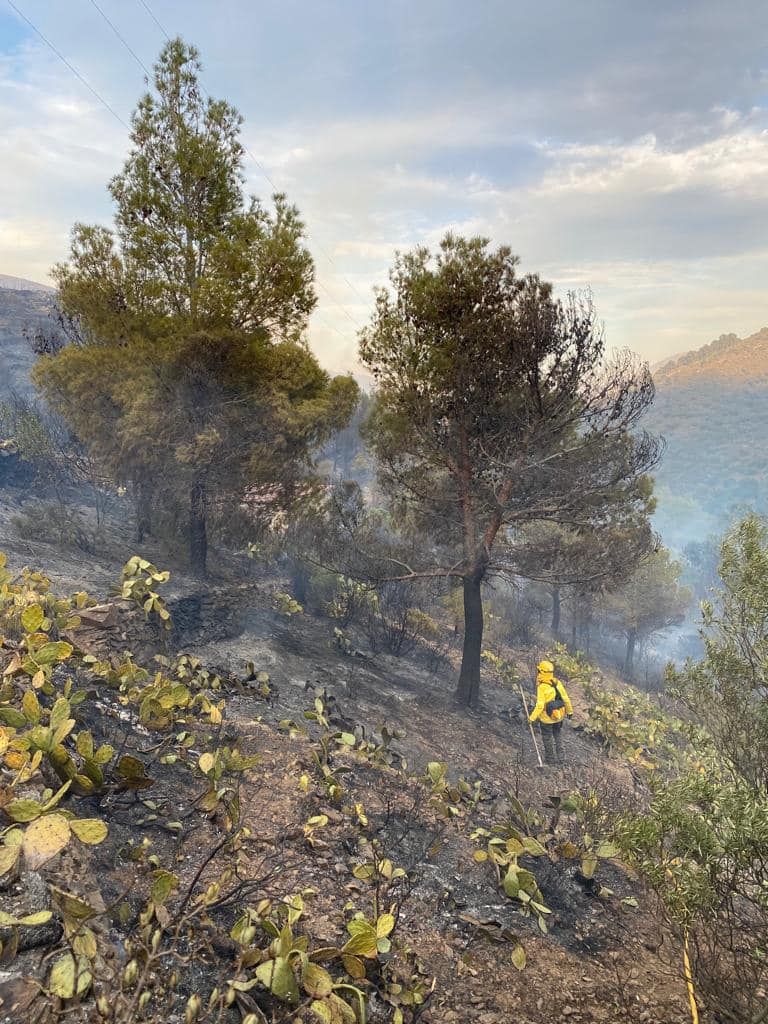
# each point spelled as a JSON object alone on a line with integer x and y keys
{"x": 143, "y": 511}
{"x": 588, "y": 619}
{"x": 556, "y": 611}
{"x": 198, "y": 529}
{"x": 299, "y": 580}
{"x": 629, "y": 659}
{"x": 468, "y": 689}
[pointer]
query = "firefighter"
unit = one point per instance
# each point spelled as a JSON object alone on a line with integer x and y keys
{"x": 552, "y": 706}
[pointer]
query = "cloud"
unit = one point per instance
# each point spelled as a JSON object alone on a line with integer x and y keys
{"x": 611, "y": 144}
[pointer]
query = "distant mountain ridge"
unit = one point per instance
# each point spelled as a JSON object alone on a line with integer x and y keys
{"x": 728, "y": 358}
{"x": 712, "y": 409}
{"x": 21, "y": 284}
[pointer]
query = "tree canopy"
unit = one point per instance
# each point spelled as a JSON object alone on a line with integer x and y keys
{"x": 652, "y": 600}
{"x": 727, "y": 689}
{"x": 185, "y": 368}
{"x": 495, "y": 408}
{"x": 702, "y": 842}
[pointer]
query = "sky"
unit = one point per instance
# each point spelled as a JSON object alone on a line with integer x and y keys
{"x": 614, "y": 145}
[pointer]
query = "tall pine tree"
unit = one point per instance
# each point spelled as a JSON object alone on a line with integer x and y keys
{"x": 496, "y": 408}
{"x": 186, "y": 371}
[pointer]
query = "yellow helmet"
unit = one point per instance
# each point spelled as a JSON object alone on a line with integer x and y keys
{"x": 545, "y": 667}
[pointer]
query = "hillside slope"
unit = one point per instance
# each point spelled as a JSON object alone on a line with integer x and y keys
{"x": 729, "y": 359}
{"x": 712, "y": 408}
{"x": 331, "y": 790}
{"x": 21, "y": 284}
{"x": 21, "y": 309}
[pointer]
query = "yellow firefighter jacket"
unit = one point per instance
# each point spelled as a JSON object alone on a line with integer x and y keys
{"x": 545, "y": 692}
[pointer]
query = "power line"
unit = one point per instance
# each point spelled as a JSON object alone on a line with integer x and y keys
{"x": 71, "y": 67}
{"x": 255, "y": 159}
{"x": 329, "y": 326}
{"x": 97, "y": 95}
{"x": 150, "y": 12}
{"x": 122, "y": 39}
{"x": 258, "y": 163}
{"x": 343, "y": 309}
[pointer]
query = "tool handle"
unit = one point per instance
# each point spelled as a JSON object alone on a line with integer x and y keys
{"x": 530, "y": 726}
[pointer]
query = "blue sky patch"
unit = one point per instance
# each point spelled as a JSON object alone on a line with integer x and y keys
{"x": 12, "y": 33}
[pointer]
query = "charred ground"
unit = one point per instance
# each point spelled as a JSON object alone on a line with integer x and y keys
{"x": 380, "y": 726}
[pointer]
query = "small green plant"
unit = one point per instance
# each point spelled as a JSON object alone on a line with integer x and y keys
{"x": 46, "y": 830}
{"x": 350, "y": 599}
{"x": 312, "y": 826}
{"x": 329, "y": 741}
{"x": 388, "y": 881}
{"x": 573, "y": 665}
{"x": 261, "y": 679}
{"x": 380, "y": 751}
{"x": 288, "y": 967}
{"x": 118, "y": 671}
{"x": 33, "y": 729}
{"x": 590, "y": 840}
{"x": 506, "y": 671}
{"x": 447, "y": 798}
{"x": 406, "y": 985}
{"x": 504, "y": 845}
{"x": 139, "y": 580}
{"x": 423, "y": 625}
{"x": 222, "y": 769}
{"x": 633, "y": 726}
{"x": 285, "y": 605}
{"x": 342, "y": 642}
{"x": 191, "y": 671}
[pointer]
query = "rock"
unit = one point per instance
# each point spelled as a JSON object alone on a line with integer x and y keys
{"x": 102, "y": 616}
{"x": 33, "y": 891}
{"x": 33, "y": 937}
{"x": 37, "y": 891}
{"x": 17, "y": 993}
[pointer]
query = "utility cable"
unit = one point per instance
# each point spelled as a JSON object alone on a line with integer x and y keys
{"x": 110, "y": 109}
{"x": 67, "y": 64}
{"x": 122, "y": 39}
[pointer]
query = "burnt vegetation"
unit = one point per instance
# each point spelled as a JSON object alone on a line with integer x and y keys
{"x": 265, "y": 784}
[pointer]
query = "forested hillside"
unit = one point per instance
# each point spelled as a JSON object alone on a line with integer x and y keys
{"x": 712, "y": 408}
{"x": 234, "y": 808}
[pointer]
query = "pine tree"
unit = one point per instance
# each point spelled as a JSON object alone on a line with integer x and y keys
{"x": 495, "y": 408}
{"x": 186, "y": 371}
{"x": 651, "y": 601}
